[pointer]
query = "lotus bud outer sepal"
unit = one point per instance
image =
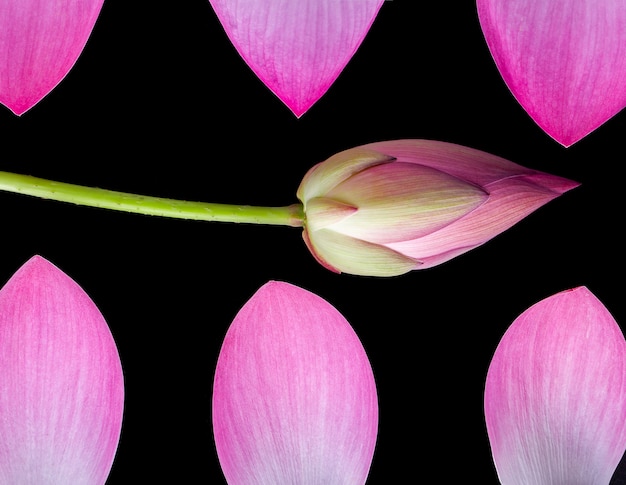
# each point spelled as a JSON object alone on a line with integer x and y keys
{"x": 387, "y": 208}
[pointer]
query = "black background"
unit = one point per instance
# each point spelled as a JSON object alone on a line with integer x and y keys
{"x": 160, "y": 103}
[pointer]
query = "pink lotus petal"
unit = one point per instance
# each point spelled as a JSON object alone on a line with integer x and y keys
{"x": 297, "y": 48}
{"x": 62, "y": 390}
{"x": 294, "y": 397}
{"x": 563, "y": 60}
{"x": 40, "y": 40}
{"x": 555, "y": 396}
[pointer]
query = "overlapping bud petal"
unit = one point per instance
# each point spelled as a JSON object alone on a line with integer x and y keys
{"x": 387, "y": 208}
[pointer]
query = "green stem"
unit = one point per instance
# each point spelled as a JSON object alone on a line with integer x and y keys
{"x": 291, "y": 215}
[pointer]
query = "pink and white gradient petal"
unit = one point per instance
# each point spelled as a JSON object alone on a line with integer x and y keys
{"x": 62, "y": 388}
{"x": 40, "y": 41}
{"x": 297, "y": 48}
{"x": 563, "y": 60}
{"x": 294, "y": 397}
{"x": 555, "y": 394}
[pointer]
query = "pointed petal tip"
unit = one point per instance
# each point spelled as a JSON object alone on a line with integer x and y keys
{"x": 566, "y": 143}
{"x": 554, "y": 183}
{"x": 567, "y": 137}
{"x": 37, "y": 262}
{"x": 297, "y": 111}
{"x": 16, "y": 112}
{"x": 23, "y": 109}
{"x": 580, "y": 289}
{"x": 273, "y": 285}
{"x": 18, "y": 108}
{"x": 272, "y": 288}
{"x": 582, "y": 293}
{"x": 566, "y": 140}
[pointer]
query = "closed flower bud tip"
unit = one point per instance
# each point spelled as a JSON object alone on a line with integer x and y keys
{"x": 387, "y": 208}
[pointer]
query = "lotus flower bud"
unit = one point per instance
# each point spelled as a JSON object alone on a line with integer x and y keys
{"x": 387, "y": 208}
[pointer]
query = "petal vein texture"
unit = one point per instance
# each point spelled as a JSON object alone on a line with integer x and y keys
{"x": 61, "y": 382}
{"x": 40, "y": 41}
{"x": 297, "y": 48}
{"x": 555, "y": 395}
{"x": 563, "y": 60}
{"x": 294, "y": 397}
